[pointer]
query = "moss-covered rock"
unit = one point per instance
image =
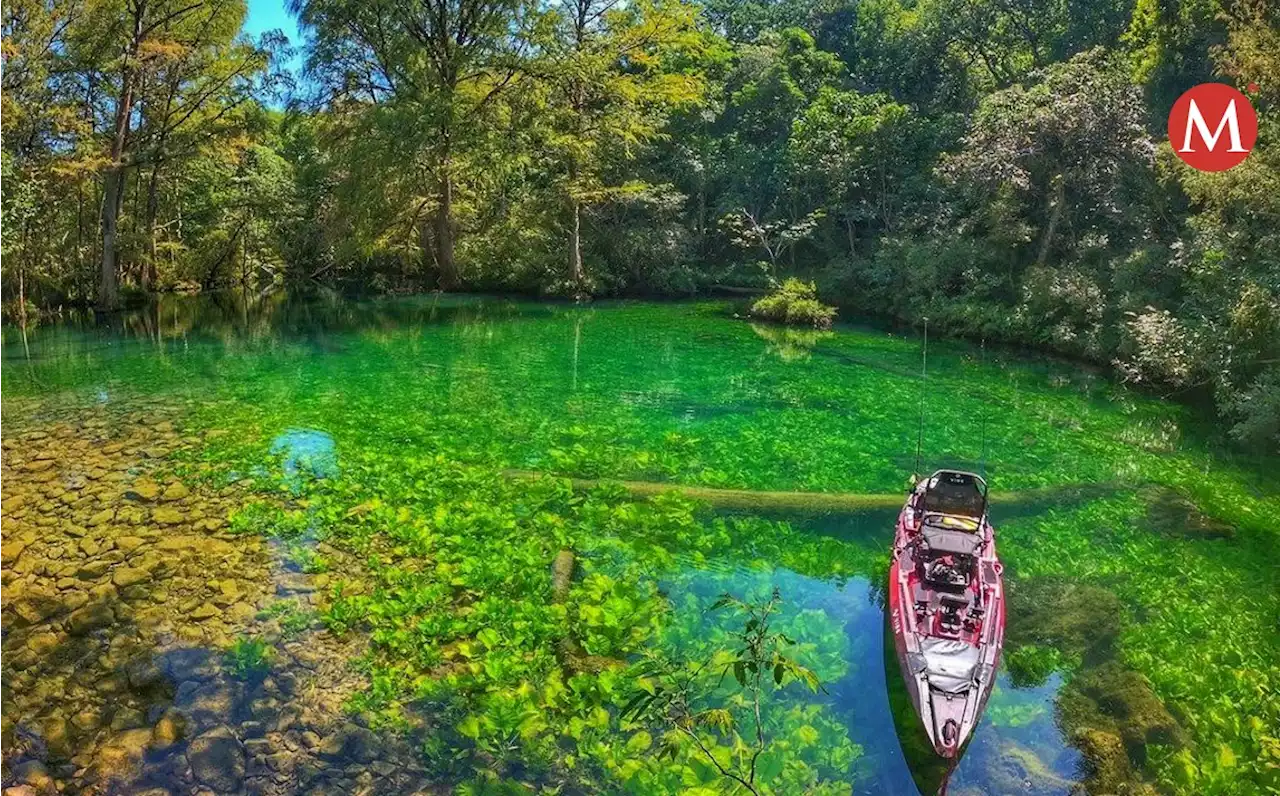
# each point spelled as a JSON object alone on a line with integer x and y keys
{"x": 1013, "y": 768}
{"x": 1108, "y": 762}
{"x": 1119, "y": 701}
{"x": 1080, "y": 621}
{"x": 1171, "y": 513}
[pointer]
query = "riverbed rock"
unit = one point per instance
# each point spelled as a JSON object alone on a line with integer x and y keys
{"x": 213, "y": 703}
{"x": 166, "y": 515}
{"x": 143, "y": 490}
{"x": 90, "y": 617}
{"x": 102, "y": 517}
{"x": 34, "y": 773}
{"x": 217, "y": 760}
{"x": 350, "y": 742}
{"x": 143, "y": 673}
{"x": 168, "y": 730}
{"x": 128, "y": 576}
{"x": 33, "y": 606}
{"x": 10, "y": 551}
{"x": 1118, "y": 700}
{"x": 204, "y": 611}
{"x": 56, "y": 733}
{"x": 43, "y": 643}
{"x": 120, "y": 756}
{"x": 127, "y": 544}
{"x": 175, "y": 491}
{"x": 92, "y": 570}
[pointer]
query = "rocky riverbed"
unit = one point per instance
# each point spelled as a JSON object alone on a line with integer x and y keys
{"x": 125, "y": 593}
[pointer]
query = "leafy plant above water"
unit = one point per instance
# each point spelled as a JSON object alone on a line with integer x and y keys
{"x": 794, "y": 302}
{"x": 677, "y": 697}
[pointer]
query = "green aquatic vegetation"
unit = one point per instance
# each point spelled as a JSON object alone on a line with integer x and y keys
{"x": 425, "y": 411}
{"x": 305, "y": 557}
{"x": 293, "y": 619}
{"x": 1031, "y": 665}
{"x": 269, "y": 519}
{"x": 248, "y": 658}
{"x": 1196, "y": 655}
{"x": 455, "y": 626}
{"x": 1005, "y": 709}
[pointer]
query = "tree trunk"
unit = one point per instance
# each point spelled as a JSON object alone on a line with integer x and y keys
{"x": 448, "y": 270}
{"x": 109, "y": 283}
{"x": 1025, "y": 500}
{"x": 22, "y": 294}
{"x": 149, "y": 275}
{"x": 1056, "y": 201}
{"x": 575, "y": 252}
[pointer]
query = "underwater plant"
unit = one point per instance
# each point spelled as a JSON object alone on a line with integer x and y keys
{"x": 247, "y": 658}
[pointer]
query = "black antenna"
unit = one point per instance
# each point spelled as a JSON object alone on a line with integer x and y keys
{"x": 982, "y": 467}
{"x": 924, "y": 375}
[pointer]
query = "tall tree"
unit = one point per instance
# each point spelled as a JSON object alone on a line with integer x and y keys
{"x": 150, "y": 36}
{"x": 616, "y": 73}
{"x": 199, "y": 82}
{"x": 416, "y": 78}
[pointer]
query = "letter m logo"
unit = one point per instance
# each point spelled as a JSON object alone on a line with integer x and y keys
{"x": 1212, "y": 127}
{"x": 1196, "y": 123}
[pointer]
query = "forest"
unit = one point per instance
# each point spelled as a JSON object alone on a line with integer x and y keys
{"x": 1000, "y": 167}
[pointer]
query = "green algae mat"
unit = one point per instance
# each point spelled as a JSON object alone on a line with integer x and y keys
{"x": 499, "y": 624}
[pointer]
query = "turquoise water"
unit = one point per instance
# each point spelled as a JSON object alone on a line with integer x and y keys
{"x": 338, "y": 403}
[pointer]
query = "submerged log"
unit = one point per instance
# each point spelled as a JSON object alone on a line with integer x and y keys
{"x": 823, "y": 502}
{"x": 568, "y": 651}
{"x": 561, "y": 575}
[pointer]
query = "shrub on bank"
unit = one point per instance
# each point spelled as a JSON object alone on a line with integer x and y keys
{"x": 794, "y": 303}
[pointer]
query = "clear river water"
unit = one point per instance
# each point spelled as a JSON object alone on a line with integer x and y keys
{"x": 287, "y": 544}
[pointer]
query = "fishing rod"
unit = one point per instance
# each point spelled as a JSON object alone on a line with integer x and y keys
{"x": 982, "y": 465}
{"x": 924, "y": 376}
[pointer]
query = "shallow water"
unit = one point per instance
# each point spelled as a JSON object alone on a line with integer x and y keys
{"x": 125, "y": 593}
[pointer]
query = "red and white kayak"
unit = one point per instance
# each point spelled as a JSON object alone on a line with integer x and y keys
{"x": 946, "y": 604}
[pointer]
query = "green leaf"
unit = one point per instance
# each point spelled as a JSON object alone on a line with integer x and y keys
{"x": 639, "y": 742}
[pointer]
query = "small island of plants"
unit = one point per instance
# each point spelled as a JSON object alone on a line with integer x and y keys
{"x": 795, "y": 303}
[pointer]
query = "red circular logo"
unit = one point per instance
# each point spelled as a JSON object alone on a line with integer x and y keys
{"x": 1212, "y": 127}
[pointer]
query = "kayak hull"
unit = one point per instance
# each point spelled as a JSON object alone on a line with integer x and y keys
{"x": 948, "y": 638}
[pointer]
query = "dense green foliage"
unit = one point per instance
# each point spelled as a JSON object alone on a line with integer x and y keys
{"x": 795, "y": 303}
{"x": 999, "y": 169}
